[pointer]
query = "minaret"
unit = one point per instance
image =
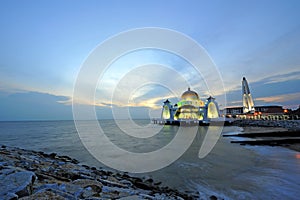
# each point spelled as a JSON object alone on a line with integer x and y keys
{"x": 248, "y": 105}
{"x": 166, "y": 111}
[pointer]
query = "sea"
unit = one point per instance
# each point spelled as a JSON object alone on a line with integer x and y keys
{"x": 229, "y": 171}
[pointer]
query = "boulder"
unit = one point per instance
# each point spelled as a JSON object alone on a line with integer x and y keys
{"x": 44, "y": 195}
{"x": 47, "y": 194}
{"x": 10, "y": 196}
{"x": 91, "y": 188}
{"x": 19, "y": 183}
{"x": 132, "y": 197}
{"x": 88, "y": 183}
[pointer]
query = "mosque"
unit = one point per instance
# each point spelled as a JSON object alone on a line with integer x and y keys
{"x": 190, "y": 110}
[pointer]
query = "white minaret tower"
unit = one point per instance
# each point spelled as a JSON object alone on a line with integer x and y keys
{"x": 248, "y": 105}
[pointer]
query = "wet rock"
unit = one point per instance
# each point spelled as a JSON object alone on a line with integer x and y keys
{"x": 150, "y": 180}
{"x": 85, "y": 166}
{"x": 19, "y": 183}
{"x": 66, "y": 175}
{"x": 94, "y": 185}
{"x": 67, "y": 159}
{"x": 10, "y": 196}
{"x": 44, "y": 195}
{"x": 110, "y": 193}
{"x": 132, "y": 197}
{"x": 58, "y": 177}
{"x": 6, "y": 171}
{"x": 126, "y": 182}
{"x": 52, "y": 155}
{"x": 142, "y": 185}
{"x": 88, "y": 192}
{"x": 48, "y": 186}
{"x": 157, "y": 183}
{"x": 56, "y": 194}
{"x": 113, "y": 179}
{"x": 112, "y": 184}
{"x": 213, "y": 197}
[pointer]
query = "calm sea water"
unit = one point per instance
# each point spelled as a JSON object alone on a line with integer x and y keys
{"x": 230, "y": 171}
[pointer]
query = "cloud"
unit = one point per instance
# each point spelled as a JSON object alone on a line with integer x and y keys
{"x": 154, "y": 103}
{"x": 274, "y": 89}
{"x": 142, "y": 86}
{"x": 294, "y": 75}
{"x": 275, "y": 56}
{"x": 33, "y": 106}
{"x": 146, "y": 81}
{"x": 280, "y": 98}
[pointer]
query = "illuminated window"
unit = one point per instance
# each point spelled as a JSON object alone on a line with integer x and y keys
{"x": 187, "y": 112}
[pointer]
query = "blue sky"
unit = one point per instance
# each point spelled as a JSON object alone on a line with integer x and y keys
{"x": 44, "y": 43}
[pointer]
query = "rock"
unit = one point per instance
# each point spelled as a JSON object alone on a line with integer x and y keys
{"x": 157, "y": 183}
{"x": 112, "y": 184}
{"x": 110, "y": 193}
{"x": 113, "y": 179}
{"x": 126, "y": 182}
{"x": 59, "y": 177}
{"x": 72, "y": 189}
{"x": 150, "y": 180}
{"x": 48, "y": 186}
{"x": 85, "y": 166}
{"x": 7, "y": 171}
{"x": 66, "y": 175}
{"x": 44, "y": 195}
{"x": 142, "y": 185}
{"x": 145, "y": 196}
{"x": 213, "y": 197}
{"x": 47, "y": 194}
{"x": 10, "y": 196}
{"x": 52, "y": 155}
{"x": 84, "y": 183}
{"x": 88, "y": 192}
{"x": 132, "y": 197}
{"x": 19, "y": 183}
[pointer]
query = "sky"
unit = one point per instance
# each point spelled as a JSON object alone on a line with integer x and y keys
{"x": 45, "y": 43}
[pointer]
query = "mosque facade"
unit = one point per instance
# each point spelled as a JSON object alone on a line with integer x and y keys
{"x": 189, "y": 109}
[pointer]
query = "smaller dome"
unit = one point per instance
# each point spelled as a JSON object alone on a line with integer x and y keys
{"x": 189, "y": 95}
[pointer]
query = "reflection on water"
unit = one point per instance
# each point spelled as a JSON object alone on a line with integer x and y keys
{"x": 229, "y": 170}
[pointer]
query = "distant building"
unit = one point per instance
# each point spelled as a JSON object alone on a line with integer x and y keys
{"x": 270, "y": 109}
{"x": 295, "y": 112}
{"x": 258, "y": 109}
{"x": 249, "y": 111}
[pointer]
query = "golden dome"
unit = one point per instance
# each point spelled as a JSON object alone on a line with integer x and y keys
{"x": 189, "y": 95}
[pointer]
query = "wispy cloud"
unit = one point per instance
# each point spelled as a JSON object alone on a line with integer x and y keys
{"x": 280, "y": 98}
{"x": 32, "y": 106}
{"x": 281, "y": 88}
{"x": 294, "y": 75}
{"x": 278, "y": 78}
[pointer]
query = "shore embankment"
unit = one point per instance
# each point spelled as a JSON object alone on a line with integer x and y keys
{"x": 284, "y": 133}
{"x": 30, "y": 175}
{"x": 287, "y": 124}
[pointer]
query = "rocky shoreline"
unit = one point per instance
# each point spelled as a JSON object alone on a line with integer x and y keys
{"x": 30, "y": 175}
{"x": 288, "y": 124}
{"x": 285, "y": 133}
